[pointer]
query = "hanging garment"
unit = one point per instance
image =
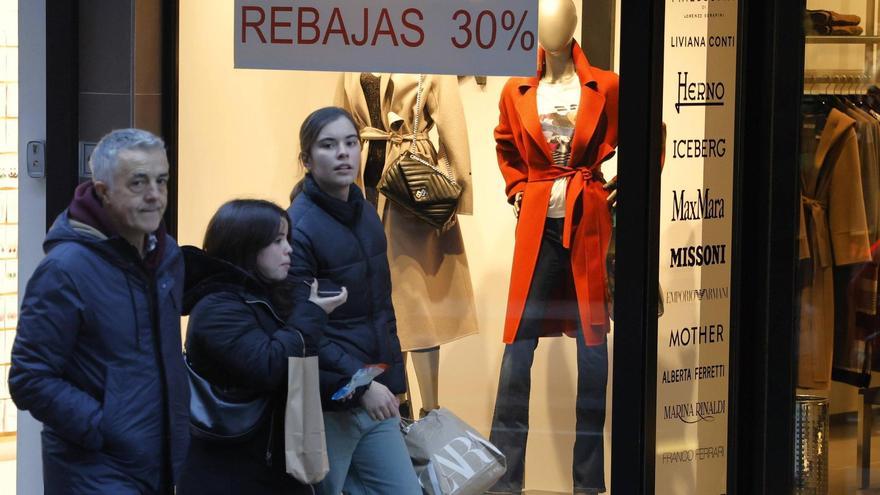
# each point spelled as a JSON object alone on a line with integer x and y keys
{"x": 833, "y": 232}
{"x": 848, "y": 349}
{"x": 866, "y": 310}
{"x": 868, "y": 136}
{"x": 430, "y": 277}
{"x": 527, "y": 164}
{"x": 374, "y": 163}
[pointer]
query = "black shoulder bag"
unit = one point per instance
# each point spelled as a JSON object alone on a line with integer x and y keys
{"x": 222, "y": 417}
{"x": 414, "y": 182}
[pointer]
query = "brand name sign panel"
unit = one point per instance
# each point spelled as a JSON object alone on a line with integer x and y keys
{"x": 696, "y": 246}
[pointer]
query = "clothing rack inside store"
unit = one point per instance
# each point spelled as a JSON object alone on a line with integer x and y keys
{"x": 842, "y": 40}
{"x": 822, "y": 92}
{"x": 843, "y": 84}
{"x": 854, "y": 88}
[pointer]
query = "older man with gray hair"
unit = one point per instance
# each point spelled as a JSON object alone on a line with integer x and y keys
{"x": 97, "y": 356}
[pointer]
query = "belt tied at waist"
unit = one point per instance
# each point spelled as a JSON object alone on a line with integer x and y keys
{"x": 819, "y": 216}
{"x": 374, "y": 134}
{"x": 590, "y": 241}
{"x": 580, "y": 177}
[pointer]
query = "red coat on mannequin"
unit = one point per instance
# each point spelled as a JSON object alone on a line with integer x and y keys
{"x": 526, "y": 163}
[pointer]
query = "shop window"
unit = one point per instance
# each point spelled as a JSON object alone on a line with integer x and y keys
{"x": 238, "y": 137}
{"x": 839, "y": 254}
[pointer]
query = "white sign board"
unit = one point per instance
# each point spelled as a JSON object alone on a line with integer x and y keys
{"x": 699, "y": 93}
{"x": 484, "y": 37}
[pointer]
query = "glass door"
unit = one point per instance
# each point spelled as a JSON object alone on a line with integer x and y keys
{"x": 838, "y": 318}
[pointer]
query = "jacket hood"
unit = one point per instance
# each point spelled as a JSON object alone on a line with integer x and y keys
{"x": 85, "y": 207}
{"x": 207, "y": 275}
{"x": 86, "y": 221}
{"x": 66, "y": 229}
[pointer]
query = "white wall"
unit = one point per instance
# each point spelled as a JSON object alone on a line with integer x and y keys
{"x": 32, "y": 205}
{"x": 238, "y": 133}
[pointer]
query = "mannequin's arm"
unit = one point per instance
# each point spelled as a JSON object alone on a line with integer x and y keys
{"x": 611, "y": 185}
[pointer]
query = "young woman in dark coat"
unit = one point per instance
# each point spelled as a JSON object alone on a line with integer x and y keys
{"x": 242, "y": 328}
{"x": 336, "y": 237}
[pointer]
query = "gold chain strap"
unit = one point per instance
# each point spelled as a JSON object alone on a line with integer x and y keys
{"x": 412, "y": 147}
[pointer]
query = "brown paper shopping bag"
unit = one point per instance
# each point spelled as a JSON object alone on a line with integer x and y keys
{"x": 305, "y": 448}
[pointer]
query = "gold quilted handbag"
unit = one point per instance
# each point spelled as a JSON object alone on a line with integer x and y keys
{"x": 417, "y": 185}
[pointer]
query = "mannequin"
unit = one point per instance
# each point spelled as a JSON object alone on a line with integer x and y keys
{"x": 430, "y": 278}
{"x": 554, "y": 132}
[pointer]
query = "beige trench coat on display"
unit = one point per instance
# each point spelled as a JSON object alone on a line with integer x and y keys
{"x": 430, "y": 278}
{"x": 833, "y": 231}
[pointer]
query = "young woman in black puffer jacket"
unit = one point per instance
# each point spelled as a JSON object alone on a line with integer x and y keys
{"x": 336, "y": 237}
{"x": 242, "y": 328}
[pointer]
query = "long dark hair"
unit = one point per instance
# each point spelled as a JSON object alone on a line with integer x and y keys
{"x": 239, "y": 230}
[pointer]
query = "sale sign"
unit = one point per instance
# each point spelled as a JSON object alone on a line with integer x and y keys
{"x": 486, "y": 37}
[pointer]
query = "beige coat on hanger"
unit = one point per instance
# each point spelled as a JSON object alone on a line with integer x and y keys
{"x": 430, "y": 278}
{"x": 833, "y": 232}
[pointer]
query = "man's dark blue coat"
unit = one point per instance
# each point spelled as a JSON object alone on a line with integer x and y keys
{"x": 97, "y": 358}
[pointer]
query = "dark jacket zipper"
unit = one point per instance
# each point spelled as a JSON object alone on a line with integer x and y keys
{"x": 371, "y": 313}
{"x": 271, "y": 440}
{"x": 268, "y": 306}
{"x": 377, "y": 337}
{"x": 270, "y": 443}
{"x": 152, "y": 298}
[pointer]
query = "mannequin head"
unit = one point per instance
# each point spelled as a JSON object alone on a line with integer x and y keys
{"x": 557, "y": 21}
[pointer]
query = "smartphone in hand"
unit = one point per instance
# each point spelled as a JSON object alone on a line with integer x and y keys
{"x": 326, "y": 287}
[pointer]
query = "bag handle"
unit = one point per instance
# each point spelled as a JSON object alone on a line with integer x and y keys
{"x": 412, "y": 146}
{"x": 406, "y": 425}
{"x": 302, "y": 339}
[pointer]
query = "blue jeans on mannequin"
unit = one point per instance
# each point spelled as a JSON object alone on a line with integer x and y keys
{"x": 510, "y": 424}
{"x": 367, "y": 457}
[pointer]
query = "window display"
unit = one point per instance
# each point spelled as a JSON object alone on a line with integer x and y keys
{"x": 555, "y": 131}
{"x": 447, "y": 284}
{"x": 833, "y": 233}
{"x": 839, "y": 226}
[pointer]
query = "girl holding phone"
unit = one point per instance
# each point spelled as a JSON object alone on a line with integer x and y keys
{"x": 337, "y": 237}
{"x": 242, "y": 328}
